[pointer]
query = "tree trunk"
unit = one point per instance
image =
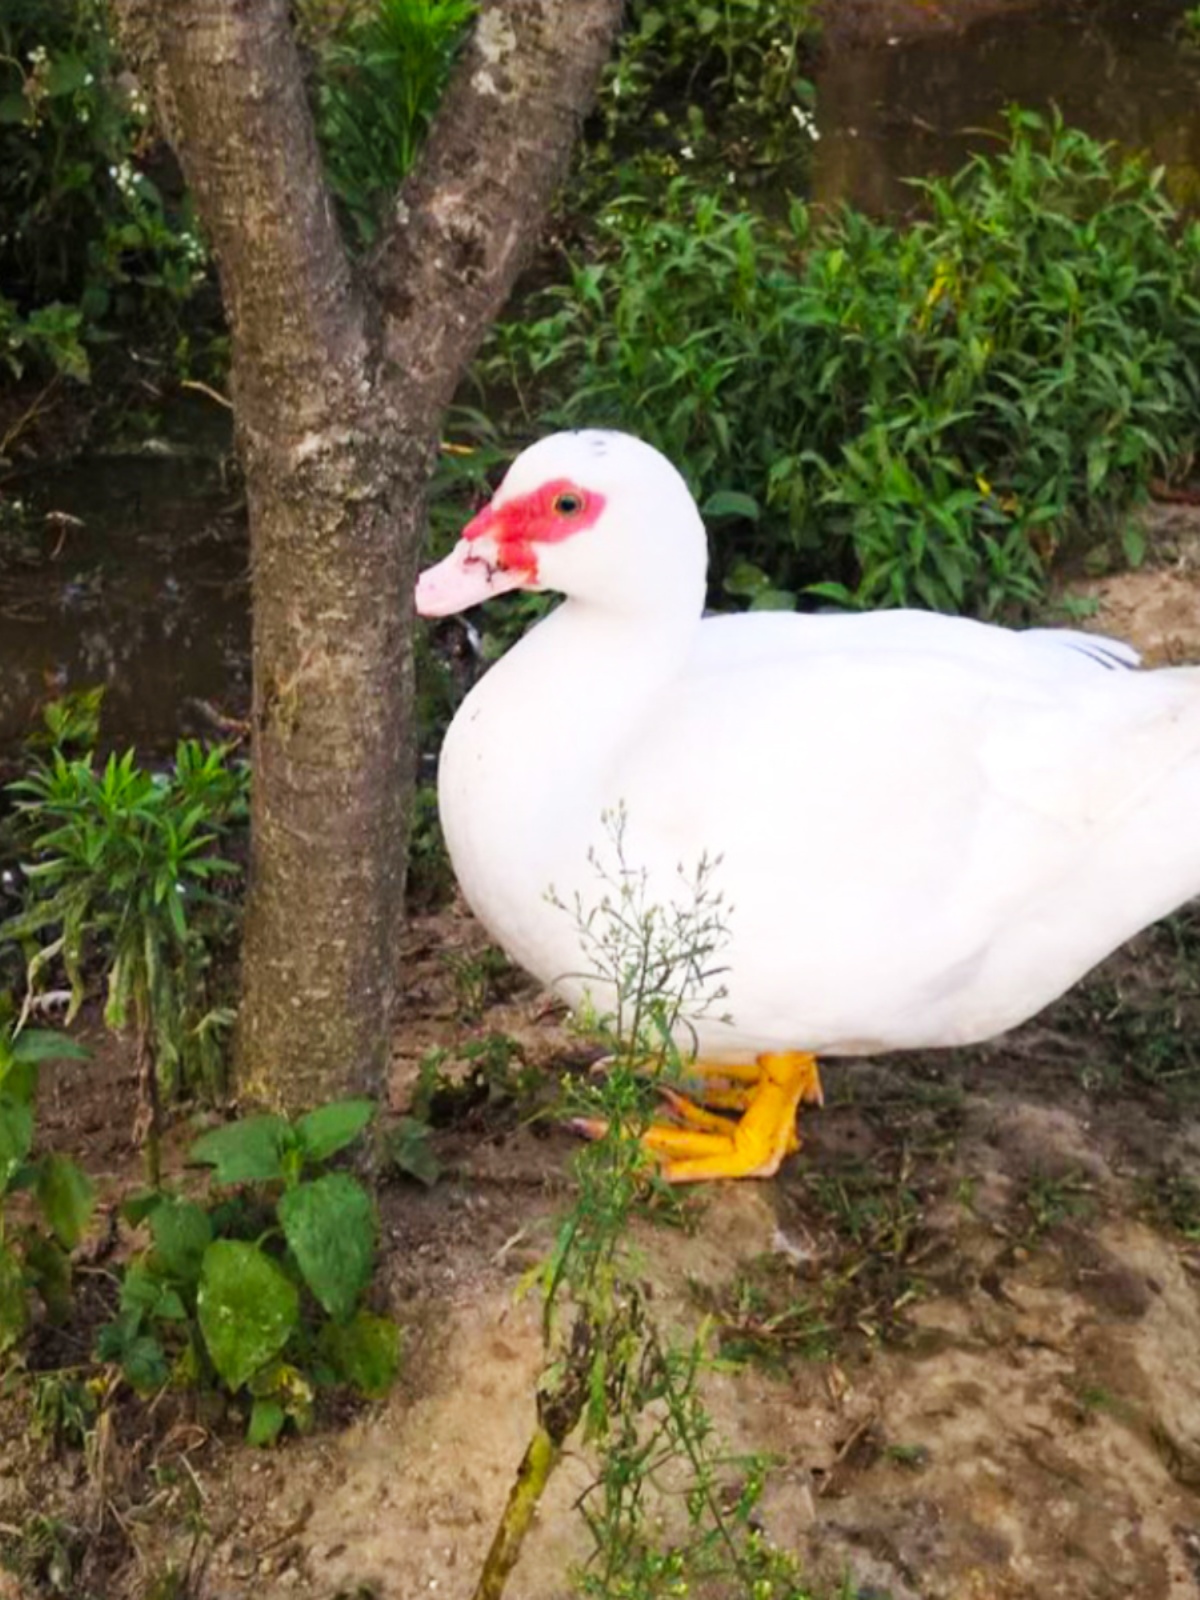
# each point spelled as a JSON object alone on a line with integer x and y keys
{"x": 340, "y": 380}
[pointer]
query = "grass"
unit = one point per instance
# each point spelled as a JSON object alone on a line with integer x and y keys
{"x": 852, "y": 1290}
{"x": 1171, "y": 1199}
{"x": 1146, "y": 1012}
{"x": 1048, "y": 1201}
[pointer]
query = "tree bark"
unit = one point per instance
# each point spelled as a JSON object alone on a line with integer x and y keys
{"x": 340, "y": 380}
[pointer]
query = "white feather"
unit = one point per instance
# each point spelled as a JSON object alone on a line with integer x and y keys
{"x": 928, "y": 827}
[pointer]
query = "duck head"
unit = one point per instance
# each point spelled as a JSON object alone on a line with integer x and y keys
{"x": 598, "y": 516}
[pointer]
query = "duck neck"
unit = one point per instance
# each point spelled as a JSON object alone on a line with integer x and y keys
{"x": 533, "y": 757}
{"x": 541, "y": 729}
{"x": 587, "y": 668}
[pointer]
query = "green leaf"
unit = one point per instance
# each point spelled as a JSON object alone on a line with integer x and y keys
{"x": 14, "y": 1303}
{"x": 67, "y": 1197}
{"x": 731, "y": 503}
{"x": 19, "y": 1080}
{"x": 15, "y": 108}
{"x": 16, "y": 1137}
{"x": 1133, "y": 543}
{"x": 147, "y": 1296}
{"x": 144, "y": 1363}
{"x": 774, "y": 600}
{"x": 330, "y": 1226}
{"x": 247, "y": 1309}
{"x": 836, "y": 592}
{"x": 140, "y": 1356}
{"x": 66, "y": 74}
{"x": 182, "y": 1233}
{"x": 744, "y": 578}
{"x": 247, "y": 1151}
{"x": 140, "y": 1206}
{"x": 266, "y": 1421}
{"x": 331, "y": 1128}
{"x": 48, "y": 1270}
{"x": 42, "y": 1044}
{"x": 364, "y": 1352}
{"x": 409, "y": 1149}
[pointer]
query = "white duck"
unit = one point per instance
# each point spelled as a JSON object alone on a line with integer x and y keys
{"x": 928, "y": 827}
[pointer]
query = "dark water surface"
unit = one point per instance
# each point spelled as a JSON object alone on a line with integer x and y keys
{"x": 140, "y": 583}
{"x": 133, "y": 575}
{"x": 922, "y": 106}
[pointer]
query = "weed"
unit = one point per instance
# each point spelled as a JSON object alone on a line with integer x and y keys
{"x": 1050, "y": 1201}
{"x": 71, "y": 721}
{"x": 34, "y": 1251}
{"x": 406, "y": 1147}
{"x": 123, "y": 862}
{"x": 430, "y": 875}
{"x": 1147, "y": 1014}
{"x": 497, "y": 1074}
{"x": 260, "y": 1291}
{"x": 669, "y": 1507}
{"x": 380, "y": 74}
{"x": 763, "y": 1316}
{"x": 856, "y": 1288}
{"x": 65, "y": 1406}
{"x": 47, "y": 1553}
{"x": 478, "y": 979}
{"x": 711, "y": 86}
{"x": 1172, "y": 1199}
{"x": 649, "y": 968}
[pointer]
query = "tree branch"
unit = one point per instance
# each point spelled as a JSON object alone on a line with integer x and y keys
{"x": 498, "y": 148}
{"x": 229, "y": 87}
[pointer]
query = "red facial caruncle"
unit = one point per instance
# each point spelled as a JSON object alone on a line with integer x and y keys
{"x": 546, "y": 515}
{"x": 498, "y": 548}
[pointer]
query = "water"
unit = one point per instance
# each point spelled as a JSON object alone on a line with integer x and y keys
{"x": 132, "y": 574}
{"x": 923, "y": 105}
{"x": 147, "y": 592}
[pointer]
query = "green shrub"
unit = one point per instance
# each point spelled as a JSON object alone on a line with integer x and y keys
{"x": 90, "y": 244}
{"x": 259, "y": 1292}
{"x": 380, "y": 73}
{"x": 889, "y": 415}
{"x": 123, "y": 865}
{"x": 709, "y": 84}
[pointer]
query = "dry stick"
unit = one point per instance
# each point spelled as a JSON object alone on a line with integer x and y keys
{"x": 559, "y": 1411}
{"x": 148, "y": 1124}
{"x": 36, "y": 406}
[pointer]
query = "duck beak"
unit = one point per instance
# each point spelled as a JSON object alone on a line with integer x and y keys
{"x": 468, "y": 576}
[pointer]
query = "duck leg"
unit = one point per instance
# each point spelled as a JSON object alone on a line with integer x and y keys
{"x": 768, "y": 1094}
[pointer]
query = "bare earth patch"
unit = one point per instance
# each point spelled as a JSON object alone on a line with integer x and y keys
{"x": 1004, "y": 1401}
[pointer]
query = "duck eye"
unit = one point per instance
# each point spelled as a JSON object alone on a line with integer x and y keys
{"x": 568, "y": 505}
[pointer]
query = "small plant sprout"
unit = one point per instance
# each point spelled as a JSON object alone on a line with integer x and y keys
{"x": 649, "y": 968}
{"x": 610, "y": 1369}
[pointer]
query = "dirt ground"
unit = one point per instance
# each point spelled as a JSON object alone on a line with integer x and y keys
{"x": 964, "y": 1320}
{"x": 1004, "y": 1402}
